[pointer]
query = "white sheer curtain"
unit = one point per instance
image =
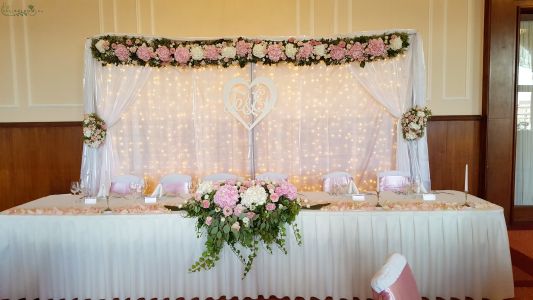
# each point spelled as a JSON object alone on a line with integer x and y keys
{"x": 398, "y": 84}
{"x": 324, "y": 121}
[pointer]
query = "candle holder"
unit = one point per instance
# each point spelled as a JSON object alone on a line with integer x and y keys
{"x": 378, "y": 204}
{"x": 108, "y": 209}
{"x": 465, "y": 204}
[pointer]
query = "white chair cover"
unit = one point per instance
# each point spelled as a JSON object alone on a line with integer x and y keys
{"x": 273, "y": 176}
{"x": 222, "y": 177}
{"x": 339, "y": 183}
{"x": 121, "y": 184}
{"x": 395, "y": 181}
{"x": 175, "y": 184}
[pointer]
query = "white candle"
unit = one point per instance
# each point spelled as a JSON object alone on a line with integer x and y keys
{"x": 466, "y": 178}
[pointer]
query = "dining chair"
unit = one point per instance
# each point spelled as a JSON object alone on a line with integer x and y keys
{"x": 272, "y": 176}
{"x": 338, "y": 183}
{"x": 394, "y": 181}
{"x": 395, "y": 280}
{"x": 122, "y": 184}
{"x": 176, "y": 184}
{"x": 222, "y": 177}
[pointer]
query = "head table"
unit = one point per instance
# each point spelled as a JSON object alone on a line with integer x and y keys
{"x": 57, "y": 247}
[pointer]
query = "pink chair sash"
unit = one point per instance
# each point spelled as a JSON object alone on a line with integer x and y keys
{"x": 176, "y": 188}
{"x": 120, "y": 188}
{"x": 393, "y": 183}
{"x": 331, "y": 182}
{"x": 404, "y": 288}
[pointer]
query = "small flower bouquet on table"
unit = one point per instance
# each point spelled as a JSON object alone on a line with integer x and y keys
{"x": 243, "y": 214}
{"x": 414, "y": 122}
{"x": 94, "y": 130}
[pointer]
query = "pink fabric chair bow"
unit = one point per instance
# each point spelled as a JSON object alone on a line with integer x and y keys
{"x": 395, "y": 281}
{"x": 394, "y": 181}
{"x": 337, "y": 182}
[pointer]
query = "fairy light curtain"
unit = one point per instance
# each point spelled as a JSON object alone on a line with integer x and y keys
{"x": 327, "y": 118}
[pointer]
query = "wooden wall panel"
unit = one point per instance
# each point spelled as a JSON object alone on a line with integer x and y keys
{"x": 37, "y": 159}
{"x": 453, "y": 142}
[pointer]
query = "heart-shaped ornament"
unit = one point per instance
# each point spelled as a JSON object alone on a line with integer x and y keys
{"x": 250, "y": 102}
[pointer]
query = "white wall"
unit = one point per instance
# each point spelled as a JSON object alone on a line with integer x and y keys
{"x": 41, "y": 61}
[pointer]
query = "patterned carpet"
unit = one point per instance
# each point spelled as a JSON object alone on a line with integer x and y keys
{"x": 522, "y": 257}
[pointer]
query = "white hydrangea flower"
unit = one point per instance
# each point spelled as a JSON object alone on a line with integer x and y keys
{"x": 259, "y": 50}
{"x": 197, "y": 53}
{"x": 101, "y": 45}
{"x": 254, "y": 196}
{"x": 229, "y": 52}
{"x": 290, "y": 50}
{"x": 319, "y": 50}
{"x": 396, "y": 43}
{"x": 205, "y": 187}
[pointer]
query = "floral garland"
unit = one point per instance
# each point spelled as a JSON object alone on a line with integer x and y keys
{"x": 94, "y": 130}
{"x": 243, "y": 213}
{"x": 160, "y": 52}
{"x": 414, "y": 122}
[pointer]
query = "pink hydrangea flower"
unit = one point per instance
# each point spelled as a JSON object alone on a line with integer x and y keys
{"x": 211, "y": 52}
{"x": 227, "y": 196}
{"x": 275, "y": 52}
{"x": 304, "y": 51}
{"x": 376, "y": 47}
{"x": 122, "y": 52}
{"x": 270, "y": 206}
{"x": 357, "y": 51}
{"x": 144, "y": 52}
{"x": 164, "y": 53}
{"x": 243, "y": 48}
{"x": 205, "y": 203}
{"x": 286, "y": 189}
{"x": 208, "y": 221}
{"x": 227, "y": 211}
{"x": 274, "y": 197}
{"x": 337, "y": 52}
{"x": 182, "y": 55}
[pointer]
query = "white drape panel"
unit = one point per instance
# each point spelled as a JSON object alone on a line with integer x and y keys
{"x": 524, "y": 168}
{"x": 398, "y": 84}
{"x": 452, "y": 254}
{"x": 324, "y": 121}
{"x": 180, "y": 126}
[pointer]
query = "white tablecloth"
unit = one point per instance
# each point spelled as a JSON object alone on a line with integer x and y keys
{"x": 452, "y": 254}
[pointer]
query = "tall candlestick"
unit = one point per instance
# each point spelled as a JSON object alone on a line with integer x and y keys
{"x": 466, "y": 178}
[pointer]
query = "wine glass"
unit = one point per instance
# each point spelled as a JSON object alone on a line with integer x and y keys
{"x": 133, "y": 189}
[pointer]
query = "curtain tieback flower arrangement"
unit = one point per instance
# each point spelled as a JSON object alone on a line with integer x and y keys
{"x": 94, "y": 130}
{"x": 414, "y": 122}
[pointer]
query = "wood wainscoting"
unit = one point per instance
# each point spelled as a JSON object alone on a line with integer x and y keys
{"x": 39, "y": 159}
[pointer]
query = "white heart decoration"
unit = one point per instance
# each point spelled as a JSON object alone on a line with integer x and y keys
{"x": 248, "y": 107}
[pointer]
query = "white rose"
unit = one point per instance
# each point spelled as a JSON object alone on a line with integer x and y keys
{"x": 411, "y": 136}
{"x": 197, "y": 53}
{"x": 420, "y": 114}
{"x": 101, "y": 45}
{"x": 256, "y": 195}
{"x": 259, "y": 50}
{"x": 87, "y": 132}
{"x": 245, "y": 221}
{"x": 205, "y": 187}
{"x": 319, "y": 50}
{"x": 229, "y": 52}
{"x": 414, "y": 126}
{"x": 290, "y": 50}
{"x": 396, "y": 43}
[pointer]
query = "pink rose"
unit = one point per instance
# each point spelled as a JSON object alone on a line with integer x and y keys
{"x": 357, "y": 51}
{"x": 227, "y": 211}
{"x": 144, "y": 52}
{"x": 211, "y": 52}
{"x": 237, "y": 211}
{"x": 236, "y": 226}
{"x": 205, "y": 203}
{"x": 275, "y": 52}
{"x": 208, "y": 221}
{"x": 250, "y": 215}
{"x": 122, "y": 53}
{"x": 304, "y": 51}
{"x": 164, "y": 53}
{"x": 337, "y": 52}
{"x": 182, "y": 55}
{"x": 376, "y": 47}
{"x": 129, "y": 42}
{"x": 274, "y": 197}
{"x": 243, "y": 48}
{"x": 270, "y": 206}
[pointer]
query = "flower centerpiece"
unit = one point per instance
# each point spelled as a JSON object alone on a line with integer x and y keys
{"x": 414, "y": 122}
{"x": 243, "y": 214}
{"x": 94, "y": 130}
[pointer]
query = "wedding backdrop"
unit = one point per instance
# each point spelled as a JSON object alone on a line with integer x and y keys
{"x": 310, "y": 119}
